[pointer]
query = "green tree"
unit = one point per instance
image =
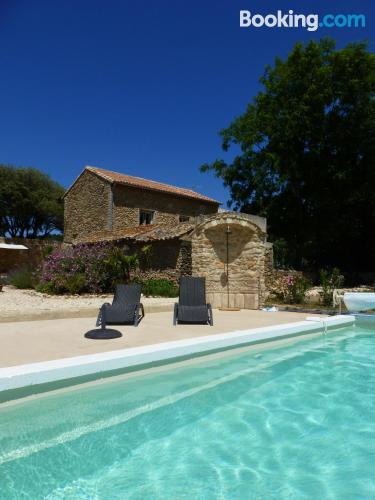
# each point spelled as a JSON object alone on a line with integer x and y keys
{"x": 306, "y": 154}
{"x": 30, "y": 203}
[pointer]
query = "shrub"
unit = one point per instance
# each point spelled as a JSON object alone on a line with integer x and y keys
{"x": 297, "y": 288}
{"x": 23, "y": 279}
{"x": 47, "y": 287}
{"x": 159, "y": 288}
{"x": 86, "y": 268}
{"x": 118, "y": 265}
{"x": 76, "y": 284}
{"x": 329, "y": 281}
{"x": 77, "y": 269}
{"x": 290, "y": 289}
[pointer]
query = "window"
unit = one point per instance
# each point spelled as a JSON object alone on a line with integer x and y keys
{"x": 145, "y": 217}
{"x": 184, "y": 218}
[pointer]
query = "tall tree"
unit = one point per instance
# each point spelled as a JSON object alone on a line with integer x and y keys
{"x": 307, "y": 153}
{"x": 30, "y": 203}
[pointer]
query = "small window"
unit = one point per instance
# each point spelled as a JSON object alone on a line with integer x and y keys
{"x": 184, "y": 218}
{"x": 145, "y": 217}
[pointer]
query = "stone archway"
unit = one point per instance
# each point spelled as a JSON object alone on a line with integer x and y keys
{"x": 246, "y": 259}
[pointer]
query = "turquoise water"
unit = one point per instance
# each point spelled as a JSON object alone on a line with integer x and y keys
{"x": 288, "y": 422}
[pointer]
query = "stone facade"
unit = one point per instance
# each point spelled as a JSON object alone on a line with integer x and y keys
{"x": 86, "y": 208}
{"x": 244, "y": 283}
{"x": 169, "y": 259}
{"x": 94, "y": 206}
{"x": 167, "y": 209}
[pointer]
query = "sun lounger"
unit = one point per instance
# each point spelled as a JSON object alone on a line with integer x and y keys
{"x": 126, "y": 307}
{"x": 192, "y": 306}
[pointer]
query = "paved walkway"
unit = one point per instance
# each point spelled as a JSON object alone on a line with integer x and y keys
{"x": 34, "y": 341}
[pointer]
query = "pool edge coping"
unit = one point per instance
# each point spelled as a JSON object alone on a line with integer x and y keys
{"x": 26, "y": 375}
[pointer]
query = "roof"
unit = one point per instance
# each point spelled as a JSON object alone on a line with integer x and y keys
{"x": 111, "y": 235}
{"x": 146, "y": 233}
{"x": 165, "y": 232}
{"x": 138, "y": 182}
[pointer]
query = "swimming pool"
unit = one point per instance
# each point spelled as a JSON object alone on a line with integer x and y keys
{"x": 295, "y": 421}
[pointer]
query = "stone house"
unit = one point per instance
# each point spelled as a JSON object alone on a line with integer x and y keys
{"x": 187, "y": 233}
{"x": 102, "y": 201}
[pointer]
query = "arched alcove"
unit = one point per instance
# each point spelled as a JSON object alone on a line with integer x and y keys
{"x": 245, "y": 259}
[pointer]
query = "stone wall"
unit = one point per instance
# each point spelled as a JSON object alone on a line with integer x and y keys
{"x": 169, "y": 260}
{"x": 86, "y": 208}
{"x": 246, "y": 261}
{"x": 128, "y": 201}
{"x": 31, "y": 258}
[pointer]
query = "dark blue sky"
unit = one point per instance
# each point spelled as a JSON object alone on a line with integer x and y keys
{"x": 141, "y": 87}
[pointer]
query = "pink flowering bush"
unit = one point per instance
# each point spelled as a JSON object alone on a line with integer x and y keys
{"x": 78, "y": 269}
{"x": 291, "y": 288}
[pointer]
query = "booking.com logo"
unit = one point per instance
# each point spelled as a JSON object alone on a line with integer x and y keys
{"x": 310, "y": 21}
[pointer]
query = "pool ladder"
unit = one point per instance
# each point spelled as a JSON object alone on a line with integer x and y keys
{"x": 337, "y": 299}
{"x": 319, "y": 320}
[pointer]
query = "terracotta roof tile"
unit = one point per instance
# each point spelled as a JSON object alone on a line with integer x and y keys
{"x": 151, "y": 232}
{"x": 138, "y": 182}
{"x": 165, "y": 232}
{"x": 108, "y": 235}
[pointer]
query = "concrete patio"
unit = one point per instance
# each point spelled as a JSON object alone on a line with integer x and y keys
{"x": 35, "y": 341}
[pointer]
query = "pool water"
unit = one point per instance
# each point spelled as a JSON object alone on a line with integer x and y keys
{"x": 287, "y": 422}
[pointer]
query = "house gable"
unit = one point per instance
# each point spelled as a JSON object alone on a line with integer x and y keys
{"x": 87, "y": 206}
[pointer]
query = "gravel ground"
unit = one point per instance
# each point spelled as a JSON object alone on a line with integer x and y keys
{"x": 30, "y": 302}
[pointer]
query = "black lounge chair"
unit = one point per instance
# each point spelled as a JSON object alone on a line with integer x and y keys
{"x": 126, "y": 307}
{"x": 192, "y": 306}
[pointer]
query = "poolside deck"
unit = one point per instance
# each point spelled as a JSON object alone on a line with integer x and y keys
{"x": 34, "y": 341}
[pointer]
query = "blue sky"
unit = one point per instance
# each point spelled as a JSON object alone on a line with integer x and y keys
{"x": 138, "y": 87}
